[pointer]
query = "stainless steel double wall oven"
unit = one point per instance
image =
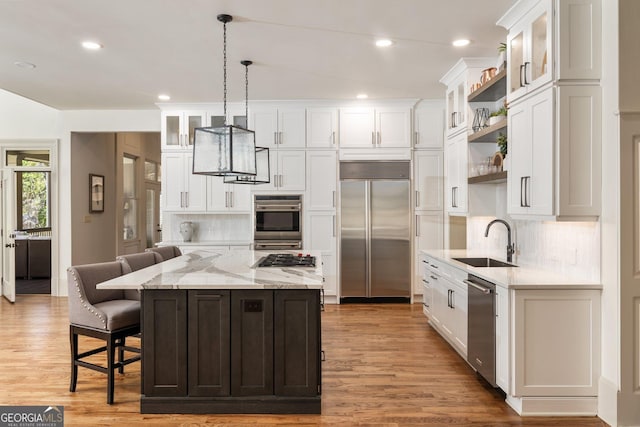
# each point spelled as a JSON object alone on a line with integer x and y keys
{"x": 278, "y": 222}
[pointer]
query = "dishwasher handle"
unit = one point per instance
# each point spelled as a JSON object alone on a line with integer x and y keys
{"x": 477, "y": 286}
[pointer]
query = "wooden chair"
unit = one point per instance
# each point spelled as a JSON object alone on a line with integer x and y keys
{"x": 166, "y": 252}
{"x": 104, "y": 314}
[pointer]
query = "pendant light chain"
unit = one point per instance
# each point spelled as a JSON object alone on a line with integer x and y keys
{"x": 224, "y": 68}
{"x": 246, "y": 93}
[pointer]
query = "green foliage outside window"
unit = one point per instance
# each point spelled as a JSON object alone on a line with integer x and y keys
{"x": 35, "y": 198}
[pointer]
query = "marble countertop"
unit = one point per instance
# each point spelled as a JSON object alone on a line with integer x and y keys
{"x": 206, "y": 243}
{"x": 221, "y": 269}
{"x": 522, "y": 277}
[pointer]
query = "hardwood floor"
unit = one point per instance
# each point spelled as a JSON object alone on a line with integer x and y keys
{"x": 384, "y": 366}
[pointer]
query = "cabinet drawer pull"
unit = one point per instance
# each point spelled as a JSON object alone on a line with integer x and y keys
{"x": 417, "y": 227}
{"x": 417, "y": 138}
{"x": 434, "y": 277}
{"x": 379, "y": 138}
{"x": 333, "y": 138}
{"x": 522, "y": 205}
{"x": 526, "y": 65}
{"x": 373, "y": 138}
{"x": 521, "y": 78}
{"x": 417, "y": 199}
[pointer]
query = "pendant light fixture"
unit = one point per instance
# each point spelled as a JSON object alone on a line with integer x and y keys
{"x": 263, "y": 173}
{"x": 226, "y": 150}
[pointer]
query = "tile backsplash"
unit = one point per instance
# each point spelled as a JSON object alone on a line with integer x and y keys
{"x": 224, "y": 227}
{"x": 571, "y": 248}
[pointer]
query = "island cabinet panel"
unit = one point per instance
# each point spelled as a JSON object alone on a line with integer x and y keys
{"x": 208, "y": 335}
{"x": 296, "y": 342}
{"x": 251, "y": 343}
{"x": 164, "y": 343}
{"x": 231, "y": 351}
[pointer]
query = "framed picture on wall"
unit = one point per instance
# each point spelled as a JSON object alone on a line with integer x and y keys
{"x": 96, "y": 193}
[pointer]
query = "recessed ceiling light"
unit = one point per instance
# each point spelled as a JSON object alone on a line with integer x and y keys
{"x": 91, "y": 45}
{"x": 27, "y": 65}
{"x": 362, "y": 96}
{"x": 461, "y": 42}
{"x": 383, "y": 43}
{"x": 163, "y": 97}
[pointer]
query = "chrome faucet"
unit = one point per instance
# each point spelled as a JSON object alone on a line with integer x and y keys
{"x": 511, "y": 248}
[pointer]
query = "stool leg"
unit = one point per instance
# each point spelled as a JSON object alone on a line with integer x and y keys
{"x": 110, "y": 368}
{"x": 121, "y": 354}
{"x": 73, "y": 339}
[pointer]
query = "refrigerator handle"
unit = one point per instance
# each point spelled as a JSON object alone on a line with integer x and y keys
{"x": 367, "y": 215}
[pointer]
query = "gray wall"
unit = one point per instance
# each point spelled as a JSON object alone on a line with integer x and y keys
{"x": 92, "y": 234}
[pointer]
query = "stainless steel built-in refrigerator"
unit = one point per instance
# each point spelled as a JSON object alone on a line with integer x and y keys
{"x": 375, "y": 236}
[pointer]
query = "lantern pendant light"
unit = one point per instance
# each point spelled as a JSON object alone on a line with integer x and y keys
{"x": 263, "y": 173}
{"x": 226, "y": 150}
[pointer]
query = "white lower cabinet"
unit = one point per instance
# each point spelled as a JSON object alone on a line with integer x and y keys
{"x": 547, "y": 339}
{"x": 428, "y": 235}
{"x": 502, "y": 338}
{"x": 556, "y": 340}
{"x": 449, "y": 303}
{"x": 320, "y": 235}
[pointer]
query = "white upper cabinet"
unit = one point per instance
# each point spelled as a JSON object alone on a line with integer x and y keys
{"x": 287, "y": 170}
{"x": 275, "y": 127}
{"x": 551, "y": 40}
{"x": 456, "y": 186}
{"x": 227, "y": 198}
{"x": 428, "y": 125}
{"x": 322, "y": 127}
{"x": 530, "y": 175}
{"x": 181, "y": 189}
{"x": 458, "y": 79}
{"x": 177, "y": 129}
{"x": 322, "y": 178}
{"x": 554, "y": 154}
{"x": 357, "y": 127}
{"x": 384, "y": 127}
{"x": 236, "y": 115}
{"x": 428, "y": 180}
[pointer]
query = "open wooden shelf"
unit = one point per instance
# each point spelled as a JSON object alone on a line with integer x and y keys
{"x": 493, "y": 90}
{"x": 492, "y": 178}
{"x": 490, "y": 133}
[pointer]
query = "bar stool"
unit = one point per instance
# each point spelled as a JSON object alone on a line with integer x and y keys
{"x": 104, "y": 314}
{"x": 166, "y": 252}
{"x": 135, "y": 262}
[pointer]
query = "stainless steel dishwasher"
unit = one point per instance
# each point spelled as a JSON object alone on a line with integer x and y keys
{"x": 481, "y": 350}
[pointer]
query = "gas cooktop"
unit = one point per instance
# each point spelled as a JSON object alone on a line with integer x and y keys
{"x": 287, "y": 260}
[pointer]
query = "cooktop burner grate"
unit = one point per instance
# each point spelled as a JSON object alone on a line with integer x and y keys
{"x": 287, "y": 260}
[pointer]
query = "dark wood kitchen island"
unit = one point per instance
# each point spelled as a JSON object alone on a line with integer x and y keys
{"x": 220, "y": 335}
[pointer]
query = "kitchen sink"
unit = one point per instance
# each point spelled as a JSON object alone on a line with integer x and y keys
{"x": 484, "y": 262}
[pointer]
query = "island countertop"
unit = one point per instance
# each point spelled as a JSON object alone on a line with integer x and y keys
{"x": 221, "y": 269}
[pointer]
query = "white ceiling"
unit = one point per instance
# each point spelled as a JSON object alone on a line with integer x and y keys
{"x": 302, "y": 49}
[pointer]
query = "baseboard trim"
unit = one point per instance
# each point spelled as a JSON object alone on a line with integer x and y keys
{"x": 554, "y": 406}
{"x": 608, "y": 401}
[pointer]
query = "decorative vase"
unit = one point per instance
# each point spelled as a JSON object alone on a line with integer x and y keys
{"x": 186, "y": 230}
